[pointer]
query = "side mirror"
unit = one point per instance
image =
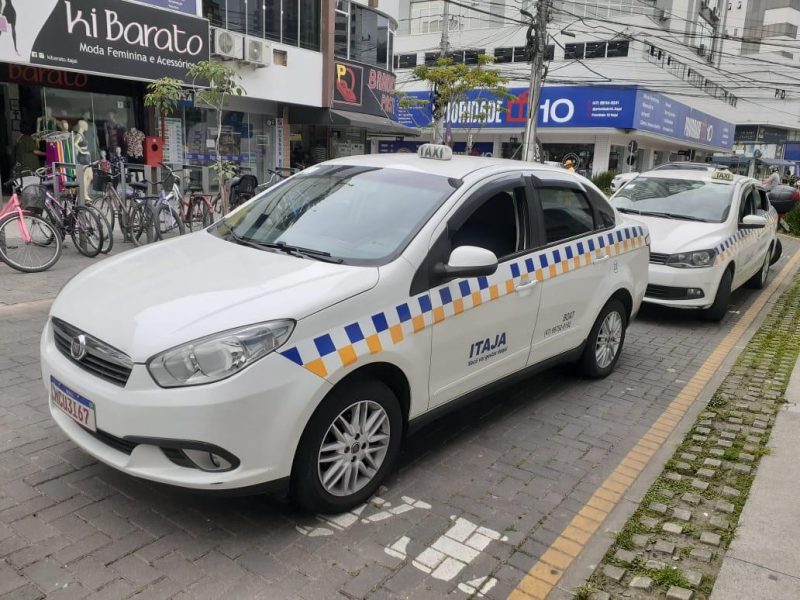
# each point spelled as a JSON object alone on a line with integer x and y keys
{"x": 468, "y": 261}
{"x": 753, "y": 222}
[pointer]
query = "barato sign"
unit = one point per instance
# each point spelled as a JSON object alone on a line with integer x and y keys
{"x": 108, "y": 37}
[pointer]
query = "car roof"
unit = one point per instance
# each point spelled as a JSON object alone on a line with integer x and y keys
{"x": 686, "y": 166}
{"x": 694, "y": 176}
{"x": 458, "y": 167}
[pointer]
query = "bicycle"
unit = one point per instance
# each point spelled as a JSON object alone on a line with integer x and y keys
{"x": 166, "y": 217}
{"x": 276, "y": 176}
{"x": 131, "y": 212}
{"x": 81, "y": 223}
{"x": 28, "y": 243}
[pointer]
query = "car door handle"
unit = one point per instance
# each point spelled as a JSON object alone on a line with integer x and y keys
{"x": 527, "y": 284}
{"x": 602, "y": 258}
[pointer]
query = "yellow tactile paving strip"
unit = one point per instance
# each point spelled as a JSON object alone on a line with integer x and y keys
{"x": 546, "y": 573}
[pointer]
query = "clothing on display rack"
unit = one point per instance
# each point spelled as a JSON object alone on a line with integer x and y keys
{"x": 134, "y": 142}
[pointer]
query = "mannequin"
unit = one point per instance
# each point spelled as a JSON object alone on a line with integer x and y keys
{"x": 46, "y": 122}
{"x": 82, "y": 155}
{"x": 64, "y": 126}
{"x": 117, "y": 162}
{"x": 104, "y": 164}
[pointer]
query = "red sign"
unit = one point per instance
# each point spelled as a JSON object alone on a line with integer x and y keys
{"x": 363, "y": 88}
{"x": 47, "y": 77}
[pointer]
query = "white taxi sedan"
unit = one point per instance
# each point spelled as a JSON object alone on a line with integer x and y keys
{"x": 712, "y": 232}
{"x": 297, "y": 341}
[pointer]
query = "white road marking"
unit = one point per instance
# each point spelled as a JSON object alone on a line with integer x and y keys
{"x": 478, "y": 587}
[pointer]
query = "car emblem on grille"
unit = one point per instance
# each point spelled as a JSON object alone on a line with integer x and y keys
{"x": 77, "y": 347}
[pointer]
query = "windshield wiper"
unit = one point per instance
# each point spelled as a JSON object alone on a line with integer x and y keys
{"x": 629, "y": 211}
{"x": 284, "y": 247}
{"x": 663, "y": 215}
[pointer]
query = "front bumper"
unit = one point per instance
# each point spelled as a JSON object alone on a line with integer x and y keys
{"x": 667, "y": 284}
{"x": 257, "y": 416}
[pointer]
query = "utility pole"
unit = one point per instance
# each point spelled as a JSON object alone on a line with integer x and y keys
{"x": 537, "y": 46}
{"x": 444, "y": 49}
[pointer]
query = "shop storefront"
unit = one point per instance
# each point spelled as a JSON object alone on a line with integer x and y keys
{"x": 594, "y": 126}
{"x": 72, "y": 78}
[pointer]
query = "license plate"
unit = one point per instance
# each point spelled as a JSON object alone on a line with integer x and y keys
{"x": 75, "y": 406}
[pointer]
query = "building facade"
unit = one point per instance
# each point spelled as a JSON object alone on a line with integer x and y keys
{"x": 658, "y": 74}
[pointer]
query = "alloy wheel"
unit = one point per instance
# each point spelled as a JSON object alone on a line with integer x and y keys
{"x": 608, "y": 340}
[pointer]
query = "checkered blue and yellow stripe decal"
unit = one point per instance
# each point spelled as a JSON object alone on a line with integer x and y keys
{"x": 344, "y": 345}
{"x": 743, "y": 238}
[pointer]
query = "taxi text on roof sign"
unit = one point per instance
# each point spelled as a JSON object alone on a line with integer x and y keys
{"x": 435, "y": 151}
{"x": 722, "y": 175}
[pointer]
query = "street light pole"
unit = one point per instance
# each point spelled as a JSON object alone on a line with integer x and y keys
{"x": 537, "y": 45}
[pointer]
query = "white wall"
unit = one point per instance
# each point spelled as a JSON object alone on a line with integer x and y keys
{"x": 300, "y": 82}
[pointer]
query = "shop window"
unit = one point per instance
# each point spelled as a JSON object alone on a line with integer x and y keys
{"x": 457, "y": 57}
{"x": 617, "y": 48}
{"x": 574, "y": 51}
{"x": 595, "y": 50}
{"x": 405, "y": 61}
{"x": 503, "y": 55}
{"x": 567, "y": 214}
{"x": 309, "y": 24}
{"x": 431, "y": 58}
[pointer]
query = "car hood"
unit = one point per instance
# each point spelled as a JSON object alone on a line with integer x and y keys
{"x": 668, "y": 236}
{"x": 151, "y": 299}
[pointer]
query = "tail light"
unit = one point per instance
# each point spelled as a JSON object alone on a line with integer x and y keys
{"x": 795, "y": 195}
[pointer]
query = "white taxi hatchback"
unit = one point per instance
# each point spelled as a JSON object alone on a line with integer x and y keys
{"x": 295, "y": 342}
{"x": 712, "y": 232}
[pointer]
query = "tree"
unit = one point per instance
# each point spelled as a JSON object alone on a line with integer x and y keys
{"x": 452, "y": 82}
{"x": 163, "y": 95}
{"x": 214, "y": 83}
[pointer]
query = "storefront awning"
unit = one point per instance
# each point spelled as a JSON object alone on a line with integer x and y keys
{"x": 778, "y": 162}
{"x": 744, "y": 160}
{"x": 342, "y": 118}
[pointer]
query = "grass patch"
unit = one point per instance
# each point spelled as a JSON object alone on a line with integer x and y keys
{"x": 668, "y": 576}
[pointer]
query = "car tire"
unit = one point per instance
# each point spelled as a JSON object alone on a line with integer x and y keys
{"x": 722, "y": 299}
{"x": 759, "y": 280}
{"x": 776, "y": 253}
{"x": 605, "y": 341}
{"x": 323, "y": 479}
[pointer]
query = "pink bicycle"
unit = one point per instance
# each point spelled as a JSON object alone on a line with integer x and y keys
{"x": 28, "y": 243}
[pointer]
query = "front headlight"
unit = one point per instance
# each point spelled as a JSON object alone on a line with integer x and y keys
{"x": 692, "y": 260}
{"x": 218, "y": 356}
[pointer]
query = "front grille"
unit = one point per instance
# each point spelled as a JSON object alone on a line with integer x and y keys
{"x": 658, "y": 259}
{"x": 102, "y": 360}
{"x": 664, "y": 292}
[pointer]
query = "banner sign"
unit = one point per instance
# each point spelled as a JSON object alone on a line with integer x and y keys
{"x": 576, "y": 106}
{"x": 363, "y": 88}
{"x": 406, "y": 147}
{"x": 185, "y": 6}
{"x": 107, "y": 37}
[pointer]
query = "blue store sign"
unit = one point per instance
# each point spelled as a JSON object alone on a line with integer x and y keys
{"x": 478, "y": 148}
{"x": 566, "y": 106}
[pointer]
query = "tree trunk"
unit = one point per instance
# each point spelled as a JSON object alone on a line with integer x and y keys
{"x": 222, "y": 186}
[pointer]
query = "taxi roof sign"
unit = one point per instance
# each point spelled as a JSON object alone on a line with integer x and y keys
{"x": 435, "y": 152}
{"x": 722, "y": 175}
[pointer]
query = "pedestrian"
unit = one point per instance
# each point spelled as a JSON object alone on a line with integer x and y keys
{"x": 569, "y": 165}
{"x": 774, "y": 179}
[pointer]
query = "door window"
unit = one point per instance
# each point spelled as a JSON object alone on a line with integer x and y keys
{"x": 750, "y": 201}
{"x": 567, "y": 214}
{"x": 497, "y": 224}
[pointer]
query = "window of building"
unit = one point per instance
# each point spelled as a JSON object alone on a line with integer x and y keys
{"x": 574, "y": 51}
{"x": 471, "y": 57}
{"x": 293, "y": 22}
{"x": 405, "y": 61}
{"x": 550, "y": 52}
{"x": 426, "y": 16}
{"x": 431, "y": 58}
{"x": 567, "y": 214}
{"x": 595, "y": 50}
{"x": 363, "y": 35}
{"x": 503, "y": 55}
{"x": 617, "y": 48}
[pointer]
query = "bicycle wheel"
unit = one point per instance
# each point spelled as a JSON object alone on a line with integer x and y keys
{"x": 39, "y": 254}
{"x": 168, "y": 222}
{"x": 106, "y": 207}
{"x": 105, "y": 226}
{"x": 200, "y": 217}
{"x": 142, "y": 228}
{"x": 86, "y": 232}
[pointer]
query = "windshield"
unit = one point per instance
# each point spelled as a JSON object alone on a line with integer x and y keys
{"x": 361, "y": 215}
{"x": 676, "y": 198}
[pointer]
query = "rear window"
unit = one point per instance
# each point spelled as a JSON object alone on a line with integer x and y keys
{"x": 676, "y": 198}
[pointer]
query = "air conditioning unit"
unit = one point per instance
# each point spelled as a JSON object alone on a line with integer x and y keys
{"x": 257, "y": 52}
{"x": 227, "y": 44}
